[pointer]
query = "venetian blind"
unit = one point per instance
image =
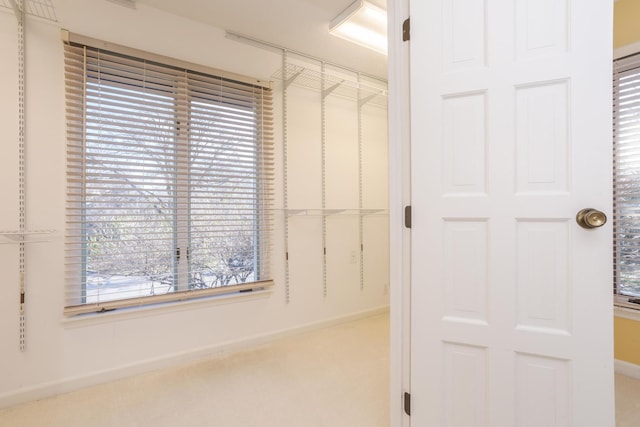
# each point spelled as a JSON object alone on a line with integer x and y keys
{"x": 626, "y": 148}
{"x": 170, "y": 173}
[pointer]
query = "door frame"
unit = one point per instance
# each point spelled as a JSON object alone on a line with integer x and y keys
{"x": 399, "y": 197}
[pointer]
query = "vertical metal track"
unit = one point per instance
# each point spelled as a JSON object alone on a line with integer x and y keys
{"x": 360, "y": 184}
{"x": 285, "y": 196}
{"x": 323, "y": 118}
{"x": 21, "y": 164}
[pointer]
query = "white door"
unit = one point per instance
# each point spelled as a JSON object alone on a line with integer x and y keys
{"x": 511, "y": 137}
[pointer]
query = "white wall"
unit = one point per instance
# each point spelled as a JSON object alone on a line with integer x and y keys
{"x": 63, "y": 354}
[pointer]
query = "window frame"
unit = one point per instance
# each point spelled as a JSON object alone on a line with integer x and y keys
{"x": 623, "y": 307}
{"x": 262, "y": 194}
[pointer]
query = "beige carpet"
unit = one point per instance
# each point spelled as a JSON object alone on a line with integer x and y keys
{"x": 334, "y": 377}
{"x": 627, "y": 402}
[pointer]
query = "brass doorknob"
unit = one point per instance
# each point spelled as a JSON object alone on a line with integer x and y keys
{"x": 591, "y": 218}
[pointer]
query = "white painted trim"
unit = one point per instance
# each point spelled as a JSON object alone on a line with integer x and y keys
{"x": 627, "y": 369}
{"x": 626, "y": 50}
{"x": 70, "y": 384}
{"x": 399, "y": 196}
{"x": 129, "y": 313}
{"x": 627, "y": 312}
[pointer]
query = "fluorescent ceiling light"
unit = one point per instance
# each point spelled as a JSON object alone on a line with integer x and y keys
{"x": 362, "y": 23}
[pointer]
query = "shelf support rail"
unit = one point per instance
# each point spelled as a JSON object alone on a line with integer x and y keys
{"x": 326, "y": 92}
{"x": 361, "y": 103}
{"x": 285, "y": 202}
{"x": 323, "y": 148}
{"x": 19, "y": 10}
{"x": 288, "y": 81}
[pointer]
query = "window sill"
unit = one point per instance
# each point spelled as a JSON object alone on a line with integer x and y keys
{"x": 624, "y": 309}
{"x": 122, "y": 314}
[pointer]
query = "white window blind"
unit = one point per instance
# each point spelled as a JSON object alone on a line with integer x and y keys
{"x": 170, "y": 172}
{"x": 626, "y": 149}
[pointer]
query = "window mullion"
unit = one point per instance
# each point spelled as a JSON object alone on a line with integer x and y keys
{"x": 182, "y": 226}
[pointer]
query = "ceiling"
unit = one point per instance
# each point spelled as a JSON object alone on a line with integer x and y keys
{"x": 298, "y": 25}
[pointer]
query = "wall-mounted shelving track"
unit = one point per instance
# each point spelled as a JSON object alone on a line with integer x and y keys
{"x": 365, "y": 88}
{"x": 285, "y": 173}
{"x": 327, "y": 84}
{"x": 41, "y": 9}
{"x": 326, "y": 88}
{"x": 360, "y": 181}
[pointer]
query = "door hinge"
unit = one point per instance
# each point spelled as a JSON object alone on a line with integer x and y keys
{"x": 406, "y": 30}
{"x": 407, "y": 216}
{"x": 407, "y": 403}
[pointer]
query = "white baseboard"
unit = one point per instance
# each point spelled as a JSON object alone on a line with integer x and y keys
{"x": 70, "y": 384}
{"x": 627, "y": 369}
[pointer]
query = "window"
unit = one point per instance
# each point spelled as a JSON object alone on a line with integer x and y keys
{"x": 169, "y": 179}
{"x": 626, "y": 190}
